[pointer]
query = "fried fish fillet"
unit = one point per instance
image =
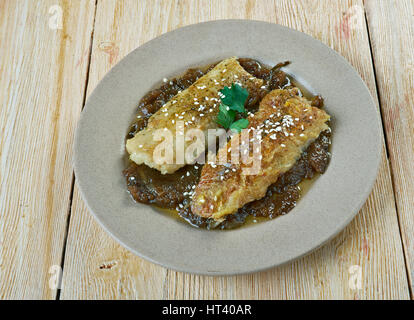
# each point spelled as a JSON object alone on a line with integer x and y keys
{"x": 195, "y": 108}
{"x": 287, "y": 124}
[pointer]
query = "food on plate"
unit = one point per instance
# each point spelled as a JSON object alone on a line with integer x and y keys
{"x": 287, "y": 124}
{"x": 282, "y": 121}
{"x": 196, "y": 107}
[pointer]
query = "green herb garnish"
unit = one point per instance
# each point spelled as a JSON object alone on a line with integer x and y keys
{"x": 233, "y": 101}
{"x": 235, "y": 97}
{"x": 226, "y": 116}
{"x": 239, "y": 125}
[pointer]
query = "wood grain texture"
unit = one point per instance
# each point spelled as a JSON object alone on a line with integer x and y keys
{"x": 391, "y": 26}
{"x": 97, "y": 267}
{"x": 42, "y": 79}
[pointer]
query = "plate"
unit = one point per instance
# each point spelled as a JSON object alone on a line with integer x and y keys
{"x": 323, "y": 211}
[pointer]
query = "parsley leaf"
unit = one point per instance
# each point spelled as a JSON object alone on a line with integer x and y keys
{"x": 235, "y": 97}
{"x": 239, "y": 125}
{"x": 225, "y": 117}
{"x": 233, "y": 101}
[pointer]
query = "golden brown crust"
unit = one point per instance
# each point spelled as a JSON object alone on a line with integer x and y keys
{"x": 196, "y": 107}
{"x": 288, "y": 123}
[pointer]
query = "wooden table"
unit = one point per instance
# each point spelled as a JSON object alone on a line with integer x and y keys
{"x": 47, "y": 69}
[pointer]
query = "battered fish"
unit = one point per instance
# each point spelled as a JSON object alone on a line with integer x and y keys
{"x": 288, "y": 124}
{"x": 196, "y": 108}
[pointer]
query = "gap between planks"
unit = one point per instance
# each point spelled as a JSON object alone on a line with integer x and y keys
{"x": 377, "y": 90}
{"x": 72, "y": 188}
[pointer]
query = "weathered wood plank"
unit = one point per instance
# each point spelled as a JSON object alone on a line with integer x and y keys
{"x": 42, "y": 79}
{"x": 371, "y": 241}
{"x": 391, "y": 28}
{"x": 110, "y": 272}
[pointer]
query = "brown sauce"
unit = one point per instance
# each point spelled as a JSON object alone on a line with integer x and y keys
{"x": 171, "y": 191}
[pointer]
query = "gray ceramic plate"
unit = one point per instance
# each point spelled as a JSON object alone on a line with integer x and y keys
{"x": 327, "y": 207}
